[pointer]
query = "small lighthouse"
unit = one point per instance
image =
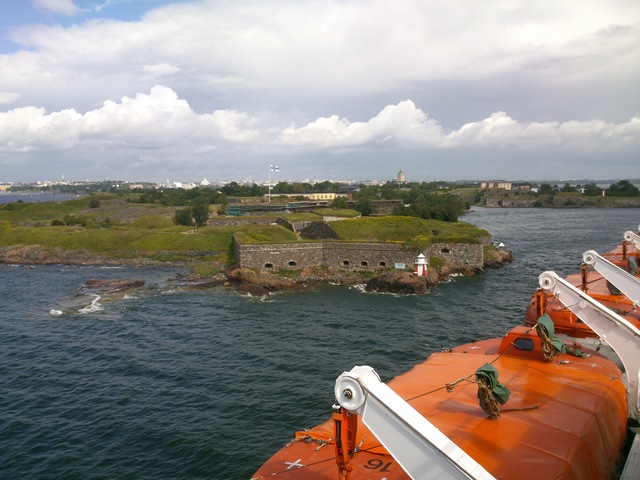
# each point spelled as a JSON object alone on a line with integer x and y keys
{"x": 421, "y": 266}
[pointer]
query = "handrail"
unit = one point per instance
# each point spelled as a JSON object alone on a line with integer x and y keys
{"x": 632, "y": 238}
{"x": 421, "y": 449}
{"x": 618, "y": 332}
{"x": 624, "y": 281}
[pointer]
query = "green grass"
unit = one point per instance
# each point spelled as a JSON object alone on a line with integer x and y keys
{"x": 150, "y": 234}
{"x": 330, "y": 212}
{"x": 256, "y": 234}
{"x": 38, "y": 212}
{"x": 303, "y": 216}
{"x": 410, "y": 230}
{"x": 152, "y": 222}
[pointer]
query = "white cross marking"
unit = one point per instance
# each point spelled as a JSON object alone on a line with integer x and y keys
{"x": 294, "y": 464}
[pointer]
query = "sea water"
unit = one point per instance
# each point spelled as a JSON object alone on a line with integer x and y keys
{"x": 164, "y": 382}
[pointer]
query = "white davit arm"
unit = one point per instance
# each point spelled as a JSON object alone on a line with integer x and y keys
{"x": 632, "y": 238}
{"x": 422, "y": 450}
{"x": 618, "y": 332}
{"x": 624, "y": 281}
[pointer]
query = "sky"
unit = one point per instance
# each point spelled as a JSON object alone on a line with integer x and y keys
{"x": 156, "y": 90}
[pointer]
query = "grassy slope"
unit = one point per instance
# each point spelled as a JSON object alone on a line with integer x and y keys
{"x": 407, "y": 229}
{"x": 121, "y": 230}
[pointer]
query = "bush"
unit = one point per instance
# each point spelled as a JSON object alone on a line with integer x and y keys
{"x": 592, "y": 190}
{"x": 152, "y": 222}
{"x": 184, "y": 217}
{"x": 340, "y": 203}
{"x": 200, "y": 214}
{"x": 71, "y": 220}
{"x": 364, "y": 207}
{"x": 624, "y": 188}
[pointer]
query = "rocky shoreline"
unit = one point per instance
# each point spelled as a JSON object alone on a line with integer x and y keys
{"x": 248, "y": 281}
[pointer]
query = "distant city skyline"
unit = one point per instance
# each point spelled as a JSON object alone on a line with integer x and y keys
{"x": 345, "y": 89}
{"x": 207, "y": 183}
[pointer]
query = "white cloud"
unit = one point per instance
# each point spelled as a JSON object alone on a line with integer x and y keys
{"x": 99, "y": 7}
{"x": 162, "y": 120}
{"x": 245, "y": 80}
{"x": 151, "y": 121}
{"x": 401, "y": 124}
{"x": 160, "y": 70}
{"x": 60, "y": 7}
{"x": 9, "y": 97}
{"x": 298, "y": 49}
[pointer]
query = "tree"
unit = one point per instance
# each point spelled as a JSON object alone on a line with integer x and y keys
{"x": 624, "y": 188}
{"x": 184, "y": 217}
{"x": 257, "y": 190}
{"x": 546, "y": 189}
{"x": 364, "y": 207}
{"x": 370, "y": 192}
{"x": 340, "y": 203}
{"x": 296, "y": 188}
{"x": 200, "y": 213}
{"x": 592, "y": 190}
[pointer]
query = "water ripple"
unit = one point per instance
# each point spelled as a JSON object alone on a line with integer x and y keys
{"x": 171, "y": 384}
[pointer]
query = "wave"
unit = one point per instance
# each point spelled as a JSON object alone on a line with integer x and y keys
{"x": 94, "y": 307}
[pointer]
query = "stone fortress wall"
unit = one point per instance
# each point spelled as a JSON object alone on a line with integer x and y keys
{"x": 359, "y": 256}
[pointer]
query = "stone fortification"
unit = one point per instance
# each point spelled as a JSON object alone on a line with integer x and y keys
{"x": 353, "y": 255}
{"x": 237, "y": 221}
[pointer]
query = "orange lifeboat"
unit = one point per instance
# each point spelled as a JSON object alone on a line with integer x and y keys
{"x": 566, "y": 322}
{"x": 625, "y": 256}
{"x": 565, "y": 417}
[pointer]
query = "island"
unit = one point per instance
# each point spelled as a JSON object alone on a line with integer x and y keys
{"x": 278, "y": 251}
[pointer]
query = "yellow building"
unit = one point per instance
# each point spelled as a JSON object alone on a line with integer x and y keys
{"x": 326, "y": 196}
{"x": 503, "y": 185}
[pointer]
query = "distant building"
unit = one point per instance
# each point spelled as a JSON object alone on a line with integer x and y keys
{"x": 400, "y": 177}
{"x": 502, "y": 185}
{"x": 311, "y": 196}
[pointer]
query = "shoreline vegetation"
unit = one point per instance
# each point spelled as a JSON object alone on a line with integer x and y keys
{"x": 128, "y": 229}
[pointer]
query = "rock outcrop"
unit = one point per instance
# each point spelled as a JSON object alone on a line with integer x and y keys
{"x": 402, "y": 283}
{"x": 114, "y": 284}
{"x": 248, "y": 281}
{"x": 319, "y": 231}
{"x": 37, "y": 254}
{"x": 497, "y": 258}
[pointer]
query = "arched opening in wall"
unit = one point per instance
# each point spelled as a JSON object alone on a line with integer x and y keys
{"x": 345, "y": 263}
{"x": 268, "y": 266}
{"x": 382, "y": 264}
{"x": 292, "y": 263}
{"x": 445, "y": 250}
{"x": 364, "y": 263}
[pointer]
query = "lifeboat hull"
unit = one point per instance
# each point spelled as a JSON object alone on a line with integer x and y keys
{"x": 565, "y": 418}
{"x": 565, "y": 321}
